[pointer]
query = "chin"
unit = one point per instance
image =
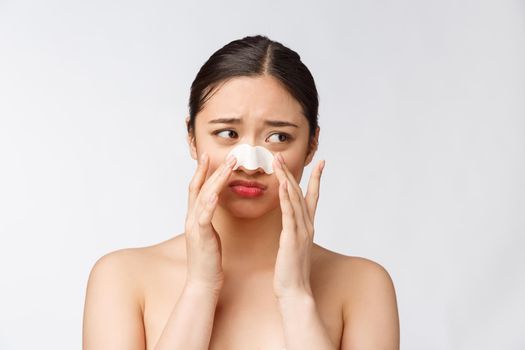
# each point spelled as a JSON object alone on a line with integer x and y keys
{"x": 248, "y": 208}
{"x": 246, "y": 214}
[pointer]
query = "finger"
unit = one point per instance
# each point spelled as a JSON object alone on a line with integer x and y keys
{"x": 217, "y": 173}
{"x": 288, "y": 218}
{"x": 294, "y": 198}
{"x": 278, "y": 170}
{"x": 198, "y": 179}
{"x": 296, "y": 193}
{"x": 312, "y": 193}
{"x": 206, "y": 214}
{"x": 202, "y": 190}
{"x": 219, "y": 178}
{"x": 288, "y": 174}
{"x": 295, "y": 201}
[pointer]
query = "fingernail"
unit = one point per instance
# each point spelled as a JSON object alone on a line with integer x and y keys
{"x": 213, "y": 197}
{"x": 203, "y": 156}
{"x": 280, "y": 156}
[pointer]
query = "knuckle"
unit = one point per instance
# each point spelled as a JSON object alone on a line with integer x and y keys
{"x": 192, "y": 186}
{"x": 306, "y": 240}
{"x": 309, "y": 228}
{"x": 202, "y": 201}
{"x": 202, "y": 221}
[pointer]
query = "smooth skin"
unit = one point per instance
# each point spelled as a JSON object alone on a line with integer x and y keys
{"x": 245, "y": 274}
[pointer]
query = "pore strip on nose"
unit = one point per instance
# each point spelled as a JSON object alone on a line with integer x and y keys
{"x": 252, "y": 157}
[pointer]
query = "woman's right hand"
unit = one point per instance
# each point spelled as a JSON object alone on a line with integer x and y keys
{"x": 203, "y": 245}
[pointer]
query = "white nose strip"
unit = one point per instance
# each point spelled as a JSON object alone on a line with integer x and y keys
{"x": 252, "y": 157}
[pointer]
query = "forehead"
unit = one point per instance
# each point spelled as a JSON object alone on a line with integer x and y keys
{"x": 253, "y": 99}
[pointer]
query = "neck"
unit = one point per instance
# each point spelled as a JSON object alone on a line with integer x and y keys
{"x": 248, "y": 243}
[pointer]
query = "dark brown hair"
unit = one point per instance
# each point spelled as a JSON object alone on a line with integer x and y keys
{"x": 255, "y": 56}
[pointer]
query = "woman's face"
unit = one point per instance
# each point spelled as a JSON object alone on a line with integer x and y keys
{"x": 251, "y": 102}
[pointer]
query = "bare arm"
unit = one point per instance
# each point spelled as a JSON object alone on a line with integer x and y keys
{"x": 303, "y": 327}
{"x": 190, "y": 324}
{"x": 371, "y": 320}
{"x": 113, "y": 316}
{"x": 112, "y": 311}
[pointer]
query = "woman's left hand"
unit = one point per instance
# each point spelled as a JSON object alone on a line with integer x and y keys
{"x": 292, "y": 267}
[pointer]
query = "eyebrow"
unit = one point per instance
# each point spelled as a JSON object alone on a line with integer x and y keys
{"x": 274, "y": 123}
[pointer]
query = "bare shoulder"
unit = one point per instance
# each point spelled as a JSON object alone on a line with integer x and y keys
{"x": 370, "y": 284}
{"x": 370, "y": 310}
{"x": 131, "y": 265}
{"x": 353, "y": 270}
{"x": 113, "y": 306}
{"x": 114, "y": 302}
{"x": 123, "y": 266}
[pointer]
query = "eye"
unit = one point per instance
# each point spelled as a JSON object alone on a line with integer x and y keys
{"x": 228, "y": 131}
{"x": 282, "y": 137}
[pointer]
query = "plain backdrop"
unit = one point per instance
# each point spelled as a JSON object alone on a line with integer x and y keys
{"x": 422, "y": 115}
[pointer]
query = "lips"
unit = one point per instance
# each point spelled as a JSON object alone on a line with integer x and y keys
{"x": 247, "y": 184}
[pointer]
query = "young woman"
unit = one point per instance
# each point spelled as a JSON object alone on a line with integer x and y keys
{"x": 245, "y": 273}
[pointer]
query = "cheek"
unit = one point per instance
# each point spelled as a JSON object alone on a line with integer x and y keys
{"x": 273, "y": 185}
{"x": 215, "y": 163}
{"x": 210, "y": 170}
{"x": 295, "y": 164}
{"x": 295, "y": 170}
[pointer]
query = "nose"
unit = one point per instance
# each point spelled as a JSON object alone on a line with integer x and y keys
{"x": 251, "y": 171}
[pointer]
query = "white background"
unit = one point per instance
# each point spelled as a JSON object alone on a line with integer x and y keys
{"x": 422, "y": 115}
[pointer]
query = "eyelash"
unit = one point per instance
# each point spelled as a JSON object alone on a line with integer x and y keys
{"x": 288, "y": 136}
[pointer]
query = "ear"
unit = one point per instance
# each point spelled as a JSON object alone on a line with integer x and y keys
{"x": 191, "y": 140}
{"x": 312, "y": 147}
